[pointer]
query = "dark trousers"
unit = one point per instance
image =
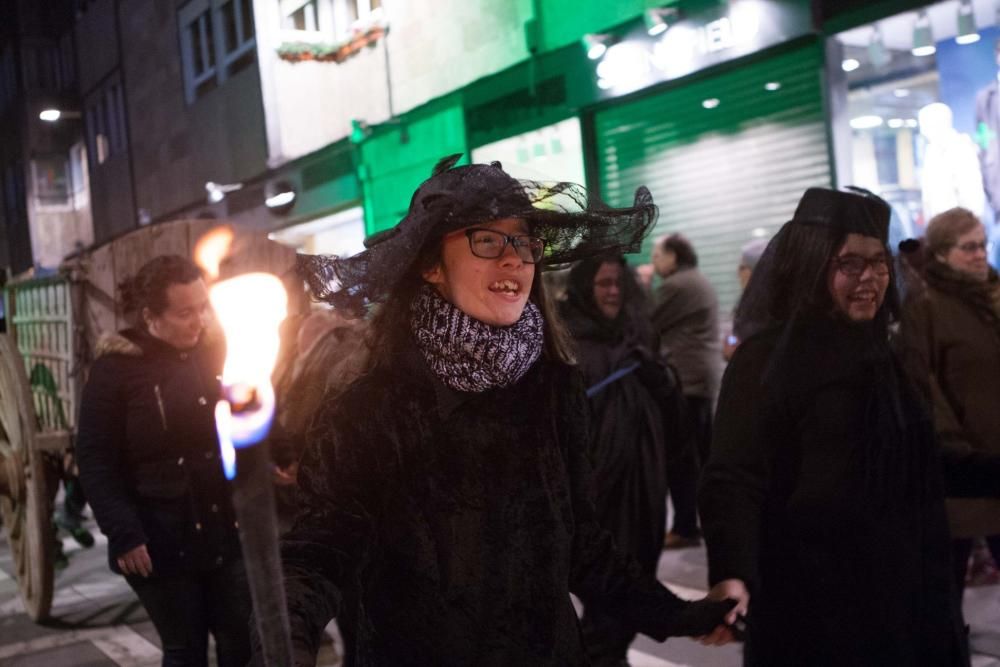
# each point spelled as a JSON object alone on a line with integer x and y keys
{"x": 186, "y": 608}
{"x": 684, "y": 471}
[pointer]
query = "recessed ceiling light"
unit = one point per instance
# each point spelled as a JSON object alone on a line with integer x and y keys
{"x": 710, "y": 103}
{"x": 866, "y": 122}
{"x": 772, "y": 85}
{"x": 850, "y": 64}
{"x": 901, "y": 92}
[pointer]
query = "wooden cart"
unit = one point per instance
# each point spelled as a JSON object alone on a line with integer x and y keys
{"x": 53, "y": 325}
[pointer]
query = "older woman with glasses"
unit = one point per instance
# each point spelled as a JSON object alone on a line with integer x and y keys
{"x": 952, "y": 336}
{"x": 823, "y": 500}
{"x": 446, "y": 505}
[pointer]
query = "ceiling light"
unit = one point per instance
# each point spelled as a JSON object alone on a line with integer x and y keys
{"x": 901, "y": 92}
{"x": 772, "y": 86}
{"x": 604, "y": 84}
{"x": 657, "y": 20}
{"x": 50, "y": 115}
{"x": 850, "y": 64}
{"x": 279, "y": 197}
{"x": 710, "y": 103}
{"x": 923, "y": 38}
{"x": 910, "y": 122}
{"x": 895, "y": 123}
{"x": 866, "y": 122}
{"x": 877, "y": 53}
{"x": 967, "y": 33}
{"x": 595, "y": 45}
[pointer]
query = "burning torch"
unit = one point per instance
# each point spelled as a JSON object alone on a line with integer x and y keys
{"x": 250, "y": 308}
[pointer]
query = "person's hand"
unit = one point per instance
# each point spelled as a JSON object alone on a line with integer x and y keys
{"x": 136, "y": 562}
{"x": 729, "y": 589}
{"x": 286, "y": 476}
{"x": 699, "y": 617}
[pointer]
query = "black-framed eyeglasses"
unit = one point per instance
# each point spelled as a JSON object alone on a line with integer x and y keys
{"x": 855, "y": 265}
{"x": 490, "y": 244}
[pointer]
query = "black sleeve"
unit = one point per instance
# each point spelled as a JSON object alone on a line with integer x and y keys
{"x": 599, "y": 573}
{"x": 101, "y": 443}
{"x": 735, "y": 481}
{"x": 334, "y": 530}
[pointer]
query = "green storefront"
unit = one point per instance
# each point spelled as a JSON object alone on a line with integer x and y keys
{"x": 722, "y": 117}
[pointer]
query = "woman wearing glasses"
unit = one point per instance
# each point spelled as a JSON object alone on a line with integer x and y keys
{"x": 446, "y": 492}
{"x": 823, "y": 500}
{"x": 636, "y": 414}
{"x": 952, "y": 332}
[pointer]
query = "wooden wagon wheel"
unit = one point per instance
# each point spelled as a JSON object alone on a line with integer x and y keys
{"x": 24, "y": 500}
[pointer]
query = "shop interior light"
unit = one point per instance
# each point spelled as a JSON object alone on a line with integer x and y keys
{"x": 877, "y": 53}
{"x": 605, "y": 84}
{"x": 901, "y": 92}
{"x": 772, "y": 86}
{"x": 967, "y": 33}
{"x": 895, "y": 123}
{"x": 658, "y": 19}
{"x": 710, "y": 103}
{"x": 596, "y": 45}
{"x": 910, "y": 122}
{"x": 923, "y": 38}
{"x": 850, "y": 64}
{"x": 866, "y": 122}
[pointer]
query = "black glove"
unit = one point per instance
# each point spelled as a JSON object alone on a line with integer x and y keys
{"x": 699, "y": 618}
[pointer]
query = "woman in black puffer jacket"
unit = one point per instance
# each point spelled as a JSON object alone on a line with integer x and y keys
{"x": 148, "y": 457}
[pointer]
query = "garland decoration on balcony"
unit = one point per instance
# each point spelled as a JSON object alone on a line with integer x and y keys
{"x": 336, "y": 52}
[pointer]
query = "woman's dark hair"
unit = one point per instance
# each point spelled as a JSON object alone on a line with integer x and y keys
{"x": 682, "y": 249}
{"x": 148, "y": 287}
{"x": 790, "y": 281}
{"x": 393, "y": 316}
{"x": 633, "y": 316}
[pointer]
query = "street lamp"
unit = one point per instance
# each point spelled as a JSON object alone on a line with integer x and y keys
{"x": 51, "y": 115}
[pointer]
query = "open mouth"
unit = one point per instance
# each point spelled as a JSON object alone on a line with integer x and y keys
{"x": 863, "y": 298}
{"x": 506, "y": 287}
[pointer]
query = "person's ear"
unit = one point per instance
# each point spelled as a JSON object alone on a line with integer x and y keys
{"x": 147, "y": 317}
{"x": 434, "y": 275}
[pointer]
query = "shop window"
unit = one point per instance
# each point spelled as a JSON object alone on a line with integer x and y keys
{"x": 921, "y": 112}
{"x": 51, "y": 179}
{"x": 218, "y": 40}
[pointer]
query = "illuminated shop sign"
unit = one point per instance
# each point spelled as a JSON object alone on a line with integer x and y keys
{"x": 697, "y": 41}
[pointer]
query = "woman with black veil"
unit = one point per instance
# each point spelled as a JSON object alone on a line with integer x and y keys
{"x": 823, "y": 501}
{"x": 445, "y": 493}
{"x": 635, "y": 412}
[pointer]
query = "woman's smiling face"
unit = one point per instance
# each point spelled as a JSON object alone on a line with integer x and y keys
{"x": 857, "y": 295}
{"x": 493, "y": 291}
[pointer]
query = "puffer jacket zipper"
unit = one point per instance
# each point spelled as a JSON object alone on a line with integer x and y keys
{"x": 159, "y": 404}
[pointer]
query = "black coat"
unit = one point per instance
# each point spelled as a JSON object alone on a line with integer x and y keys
{"x": 148, "y": 454}
{"x": 460, "y": 523}
{"x": 634, "y": 419}
{"x": 825, "y": 494}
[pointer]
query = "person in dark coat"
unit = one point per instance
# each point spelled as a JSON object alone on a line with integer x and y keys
{"x": 446, "y": 491}
{"x": 148, "y": 457}
{"x": 951, "y": 331}
{"x": 635, "y": 406}
{"x": 823, "y": 501}
{"x": 686, "y": 319}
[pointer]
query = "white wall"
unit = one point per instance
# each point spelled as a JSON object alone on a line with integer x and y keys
{"x": 434, "y": 47}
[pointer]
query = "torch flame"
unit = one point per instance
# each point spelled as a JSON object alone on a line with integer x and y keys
{"x": 212, "y": 249}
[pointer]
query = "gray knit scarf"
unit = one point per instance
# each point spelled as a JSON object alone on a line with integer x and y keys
{"x": 469, "y": 355}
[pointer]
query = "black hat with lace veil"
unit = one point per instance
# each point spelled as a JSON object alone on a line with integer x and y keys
{"x": 574, "y": 224}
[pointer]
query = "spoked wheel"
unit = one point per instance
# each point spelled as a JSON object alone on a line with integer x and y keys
{"x": 24, "y": 500}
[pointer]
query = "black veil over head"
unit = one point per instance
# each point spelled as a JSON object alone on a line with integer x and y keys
{"x": 585, "y": 319}
{"x": 574, "y": 224}
{"x": 789, "y": 282}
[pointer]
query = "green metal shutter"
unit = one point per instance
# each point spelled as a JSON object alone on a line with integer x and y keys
{"x": 718, "y": 174}
{"x": 399, "y": 157}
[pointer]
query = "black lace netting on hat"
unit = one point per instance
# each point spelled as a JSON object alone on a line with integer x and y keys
{"x": 575, "y": 225}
